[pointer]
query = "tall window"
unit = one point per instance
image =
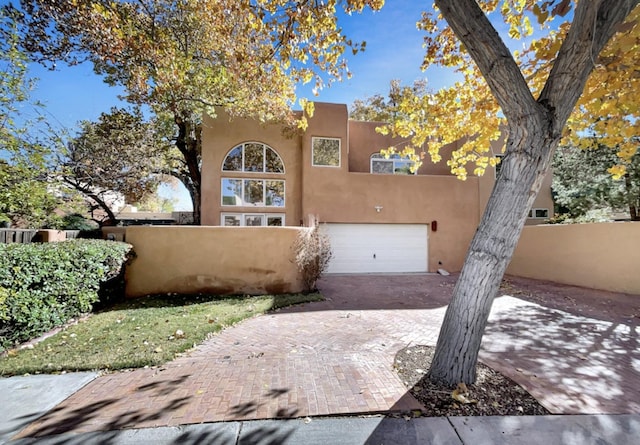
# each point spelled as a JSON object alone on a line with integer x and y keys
{"x": 393, "y": 165}
{"x": 254, "y": 160}
{"x": 253, "y": 157}
{"x": 325, "y": 152}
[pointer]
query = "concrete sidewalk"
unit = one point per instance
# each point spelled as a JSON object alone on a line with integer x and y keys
{"x": 525, "y": 430}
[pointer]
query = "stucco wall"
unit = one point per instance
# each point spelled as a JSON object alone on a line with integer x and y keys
{"x": 364, "y": 141}
{"x": 600, "y": 256}
{"x": 353, "y": 198}
{"x": 221, "y": 260}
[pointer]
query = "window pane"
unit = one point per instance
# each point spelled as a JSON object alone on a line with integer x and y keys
{"x": 382, "y": 166}
{"x": 273, "y": 162}
{"x": 231, "y": 220}
{"x": 253, "y": 220}
{"x": 231, "y": 192}
{"x": 233, "y": 161}
{"x": 275, "y": 193}
{"x": 253, "y": 157}
{"x": 326, "y": 152}
{"x": 542, "y": 213}
{"x": 274, "y": 221}
{"x": 402, "y": 167}
{"x": 254, "y": 192}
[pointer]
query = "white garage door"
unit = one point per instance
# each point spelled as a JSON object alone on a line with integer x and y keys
{"x": 366, "y": 248}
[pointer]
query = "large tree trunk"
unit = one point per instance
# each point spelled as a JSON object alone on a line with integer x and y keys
{"x": 189, "y": 144}
{"x": 534, "y": 129}
{"x": 489, "y": 254}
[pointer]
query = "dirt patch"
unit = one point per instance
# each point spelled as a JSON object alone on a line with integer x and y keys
{"x": 492, "y": 395}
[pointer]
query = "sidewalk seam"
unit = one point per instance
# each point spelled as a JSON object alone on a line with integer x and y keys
{"x": 239, "y": 432}
{"x": 454, "y": 429}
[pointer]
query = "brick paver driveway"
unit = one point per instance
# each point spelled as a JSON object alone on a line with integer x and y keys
{"x": 335, "y": 357}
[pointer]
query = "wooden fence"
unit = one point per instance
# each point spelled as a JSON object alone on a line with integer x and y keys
{"x": 26, "y": 236}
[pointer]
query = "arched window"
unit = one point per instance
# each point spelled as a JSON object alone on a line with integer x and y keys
{"x": 253, "y": 157}
{"x": 393, "y": 165}
{"x": 261, "y": 190}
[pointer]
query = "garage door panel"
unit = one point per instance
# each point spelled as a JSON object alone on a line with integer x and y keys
{"x": 370, "y": 248}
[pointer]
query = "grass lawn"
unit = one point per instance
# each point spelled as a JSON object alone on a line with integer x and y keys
{"x": 140, "y": 332}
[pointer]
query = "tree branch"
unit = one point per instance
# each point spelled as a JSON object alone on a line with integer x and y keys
{"x": 490, "y": 54}
{"x": 594, "y": 23}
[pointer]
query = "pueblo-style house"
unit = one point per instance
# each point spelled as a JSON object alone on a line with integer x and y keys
{"x": 379, "y": 216}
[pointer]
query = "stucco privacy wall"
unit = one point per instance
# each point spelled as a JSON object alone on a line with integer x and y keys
{"x": 221, "y": 260}
{"x": 600, "y": 256}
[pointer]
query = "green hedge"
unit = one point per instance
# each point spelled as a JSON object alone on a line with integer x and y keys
{"x": 44, "y": 285}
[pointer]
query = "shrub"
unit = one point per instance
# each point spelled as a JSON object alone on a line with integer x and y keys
{"x": 44, "y": 285}
{"x": 312, "y": 254}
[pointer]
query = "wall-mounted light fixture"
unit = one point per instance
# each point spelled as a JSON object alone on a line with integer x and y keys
{"x": 378, "y": 208}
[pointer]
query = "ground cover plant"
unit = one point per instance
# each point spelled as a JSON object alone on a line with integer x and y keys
{"x": 139, "y": 332}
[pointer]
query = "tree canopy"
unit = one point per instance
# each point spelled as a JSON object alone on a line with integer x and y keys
{"x": 119, "y": 155}
{"x": 582, "y": 182}
{"x": 607, "y": 108}
{"x": 25, "y": 198}
{"x": 184, "y": 58}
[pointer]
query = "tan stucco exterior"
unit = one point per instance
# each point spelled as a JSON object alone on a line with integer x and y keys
{"x": 599, "y": 256}
{"x": 349, "y": 193}
{"x": 218, "y": 260}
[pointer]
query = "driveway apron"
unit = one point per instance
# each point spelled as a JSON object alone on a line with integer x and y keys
{"x": 336, "y": 357}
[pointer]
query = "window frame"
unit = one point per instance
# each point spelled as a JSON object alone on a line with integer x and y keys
{"x": 313, "y": 153}
{"x": 243, "y": 218}
{"x": 533, "y": 212}
{"x": 393, "y": 159}
{"x": 264, "y": 171}
{"x": 263, "y": 203}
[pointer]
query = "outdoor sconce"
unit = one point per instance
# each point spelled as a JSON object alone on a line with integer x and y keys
{"x": 434, "y": 226}
{"x": 378, "y": 208}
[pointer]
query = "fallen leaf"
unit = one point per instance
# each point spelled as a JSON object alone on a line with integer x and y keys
{"x": 461, "y": 394}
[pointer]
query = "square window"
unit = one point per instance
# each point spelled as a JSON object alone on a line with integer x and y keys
{"x": 254, "y": 220}
{"x": 254, "y": 192}
{"x": 325, "y": 152}
{"x": 275, "y": 193}
{"x": 231, "y": 192}
{"x": 231, "y": 220}
{"x": 275, "y": 221}
{"x": 542, "y": 213}
{"x": 383, "y": 166}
